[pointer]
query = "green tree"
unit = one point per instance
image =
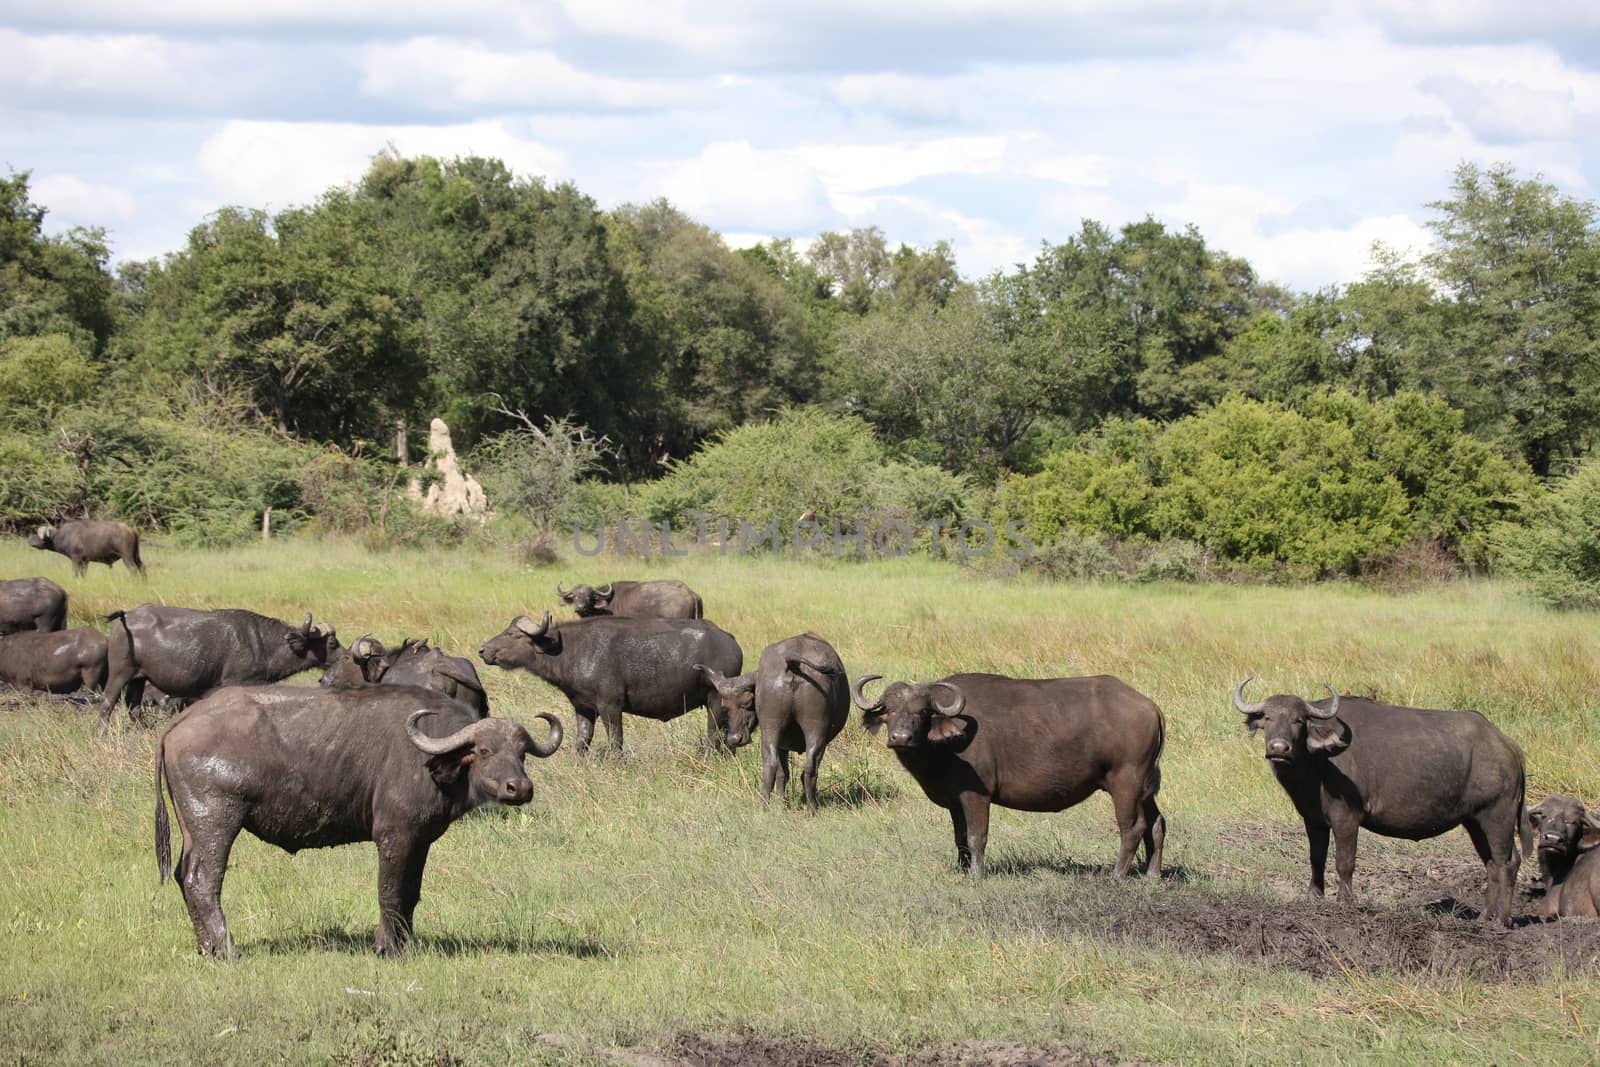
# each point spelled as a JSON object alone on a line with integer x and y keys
{"x": 51, "y": 285}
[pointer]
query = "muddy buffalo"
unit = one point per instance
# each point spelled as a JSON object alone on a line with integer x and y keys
{"x": 32, "y": 604}
{"x": 1034, "y": 744}
{"x": 187, "y": 652}
{"x": 661, "y": 599}
{"x": 313, "y": 768}
{"x": 413, "y": 663}
{"x": 86, "y": 541}
{"x": 799, "y": 697}
{"x": 607, "y": 666}
{"x": 56, "y": 661}
{"x": 1567, "y": 834}
{"x": 1348, "y": 763}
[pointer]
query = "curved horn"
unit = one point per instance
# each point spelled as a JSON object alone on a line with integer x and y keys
{"x": 362, "y": 649}
{"x": 438, "y": 746}
{"x": 562, "y": 593}
{"x": 524, "y": 624}
{"x": 858, "y": 698}
{"x": 961, "y": 699}
{"x": 44, "y": 532}
{"x": 1238, "y": 699}
{"x": 306, "y": 626}
{"x": 1333, "y": 709}
{"x": 547, "y": 748}
{"x": 1590, "y": 820}
{"x": 604, "y": 592}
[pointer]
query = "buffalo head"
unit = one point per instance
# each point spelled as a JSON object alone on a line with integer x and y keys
{"x": 314, "y": 642}
{"x": 1564, "y": 826}
{"x": 737, "y": 696}
{"x": 44, "y": 537}
{"x": 1294, "y": 727}
{"x": 917, "y": 714}
{"x": 489, "y": 752}
{"x": 586, "y": 600}
{"x": 518, "y": 644}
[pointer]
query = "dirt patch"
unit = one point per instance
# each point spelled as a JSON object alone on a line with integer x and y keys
{"x": 699, "y": 1051}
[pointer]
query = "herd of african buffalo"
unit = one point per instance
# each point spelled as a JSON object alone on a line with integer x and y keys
{"x": 396, "y": 744}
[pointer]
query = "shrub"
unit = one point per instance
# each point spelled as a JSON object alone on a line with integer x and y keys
{"x": 1557, "y": 551}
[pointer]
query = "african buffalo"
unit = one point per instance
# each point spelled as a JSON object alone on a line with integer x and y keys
{"x": 188, "y": 652}
{"x": 32, "y": 604}
{"x": 1348, "y": 762}
{"x": 56, "y": 661}
{"x": 413, "y": 663}
{"x": 312, "y": 768}
{"x": 1035, "y": 744}
{"x": 799, "y": 696}
{"x": 608, "y": 665}
{"x": 662, "y": 599}
{"x": 1567, "y": 835}
{"x": 86, "y": 541}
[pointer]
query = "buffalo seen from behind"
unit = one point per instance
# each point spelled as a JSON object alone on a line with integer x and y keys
{"x": 86, "y": 541}
{"x": 313, "y": 768}
{"x": 1567, "y": 834}
{"x": 367, "y": 662}
{"x": 1348, "y": 763}
{"x": 663, "y": 598}
{"x": 974, "y": 740}
{"x": 57, "y": 661}
{"x": 32, "y": 604}
{"x": 187, "y": 652}
{"x": 607, "y": 666}
{"x": 799, "y": 698}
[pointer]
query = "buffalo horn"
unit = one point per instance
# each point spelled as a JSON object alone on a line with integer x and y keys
{"x": 438, "y": 746}
{"x": 1238, "y": 699}
{"x": 45, "y": 532}
{"x": 604, "y": 592}
{"x": 305, "y": 627}
{"x": 1590, "y": 820}
{"x": 961, "y": 699}
{"x": 526, "y": 625}
{"x": 362, "y": 649}
{"x": 551, "y": 743}
{"x": 859, "y": 698}
{"x": 1333, "y": 709}
{"x": 562, "y": 593}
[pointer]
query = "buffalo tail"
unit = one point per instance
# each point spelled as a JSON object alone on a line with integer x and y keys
{"x": 163, "y": 830}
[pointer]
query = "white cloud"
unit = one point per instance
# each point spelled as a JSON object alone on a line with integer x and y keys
{"x": 279, "y": 164}
{"x": 76, "y": 202}
{"x": 140, "y": 64}
{"x": 467, "y": 74}
{"x": 732, "y": 184}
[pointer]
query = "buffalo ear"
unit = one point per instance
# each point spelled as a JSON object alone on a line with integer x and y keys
{"x": 947, "y": 728}
{"x": 1590, "y": 839}
{"x": 873, "y": 720}
{"x": 296, "y": 640}
{"x": 1252, "y": 722}
{"x": 1327, "y": 737}
{"x": 1536, "y": 815}
{"x": 447, "y": 768}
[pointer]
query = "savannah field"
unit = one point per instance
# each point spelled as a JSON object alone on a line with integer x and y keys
{"x": 650, "y": 911}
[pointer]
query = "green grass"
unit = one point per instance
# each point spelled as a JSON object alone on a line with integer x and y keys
{"x": 635, "y": 900}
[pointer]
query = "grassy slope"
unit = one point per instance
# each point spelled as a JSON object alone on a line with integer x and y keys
{"x": 634, "y": 900}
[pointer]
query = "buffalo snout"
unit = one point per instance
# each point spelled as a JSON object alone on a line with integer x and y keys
{"x": 1279, "y": 750}
{"x": 516, "y": 791}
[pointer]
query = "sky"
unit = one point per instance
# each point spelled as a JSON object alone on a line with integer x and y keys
{"x": 1292, "y": 133}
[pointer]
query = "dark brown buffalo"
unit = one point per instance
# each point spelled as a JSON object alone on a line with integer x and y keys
{"x": 609, "y": 666}
{"x": 1349, "y": 763}
{"x": 32, "y": 604}
{"x": 187, "y": 652}
{"x": 1035, "y": 744}
{"x": 413, "y": 663}
{"x": 664, "y": 598}
{"x": 86, "y": 541}
{"x": 799, "y": 697}
{"x": 1567, "y": 834}
{"x": 313, "y": 768}
{"x": 59, "y": 661}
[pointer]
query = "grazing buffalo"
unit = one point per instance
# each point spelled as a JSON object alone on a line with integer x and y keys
{"x": 1567, "y": 835}
{"x": 86, "y": 541}
{"x": 312, "y": 768}
{"x": 32, "y": 604}
{"x": 1035, "y": 744}
{"x": 607, "y": 665}
{"x": 57, "y": 661}
{"x": 662, "y": 599}
{"x": 187, "y": 652}
{"x": 1348, "y": 763}
{"x": 414, "y": 663}
{"x": 799, "y": 696}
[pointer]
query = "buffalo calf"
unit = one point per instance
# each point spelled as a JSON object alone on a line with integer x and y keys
{"x": 313, "y": 768}
{"x": 1567, "y": 834}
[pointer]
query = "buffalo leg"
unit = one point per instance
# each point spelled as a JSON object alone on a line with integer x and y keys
{"x": 1155, "y": 836}
{"x": 975, "y": 809}
{"x": 612, "y": 717}
{"x": 400, "y": 863}
{"x": 585, "y": 718}
{"x": 771, "y": 760}
{"x": 201, "y": 869}
{"x": 1131, "y": 823}
{"x": 1345, "y": 832}
{"x": 118, "y": 678}
{"x": 958, "y": 819}
{"x": 808, "y": 771}
{"x": 1317, "y": 837}
{"x": 1498, "y": 867}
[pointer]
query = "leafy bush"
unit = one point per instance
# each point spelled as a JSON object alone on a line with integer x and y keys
{"x": 41, "y": 375}
{"x": 539, "y": 472}
{"x": 1557, "y": 551}
{"x": 38, "y": 483}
